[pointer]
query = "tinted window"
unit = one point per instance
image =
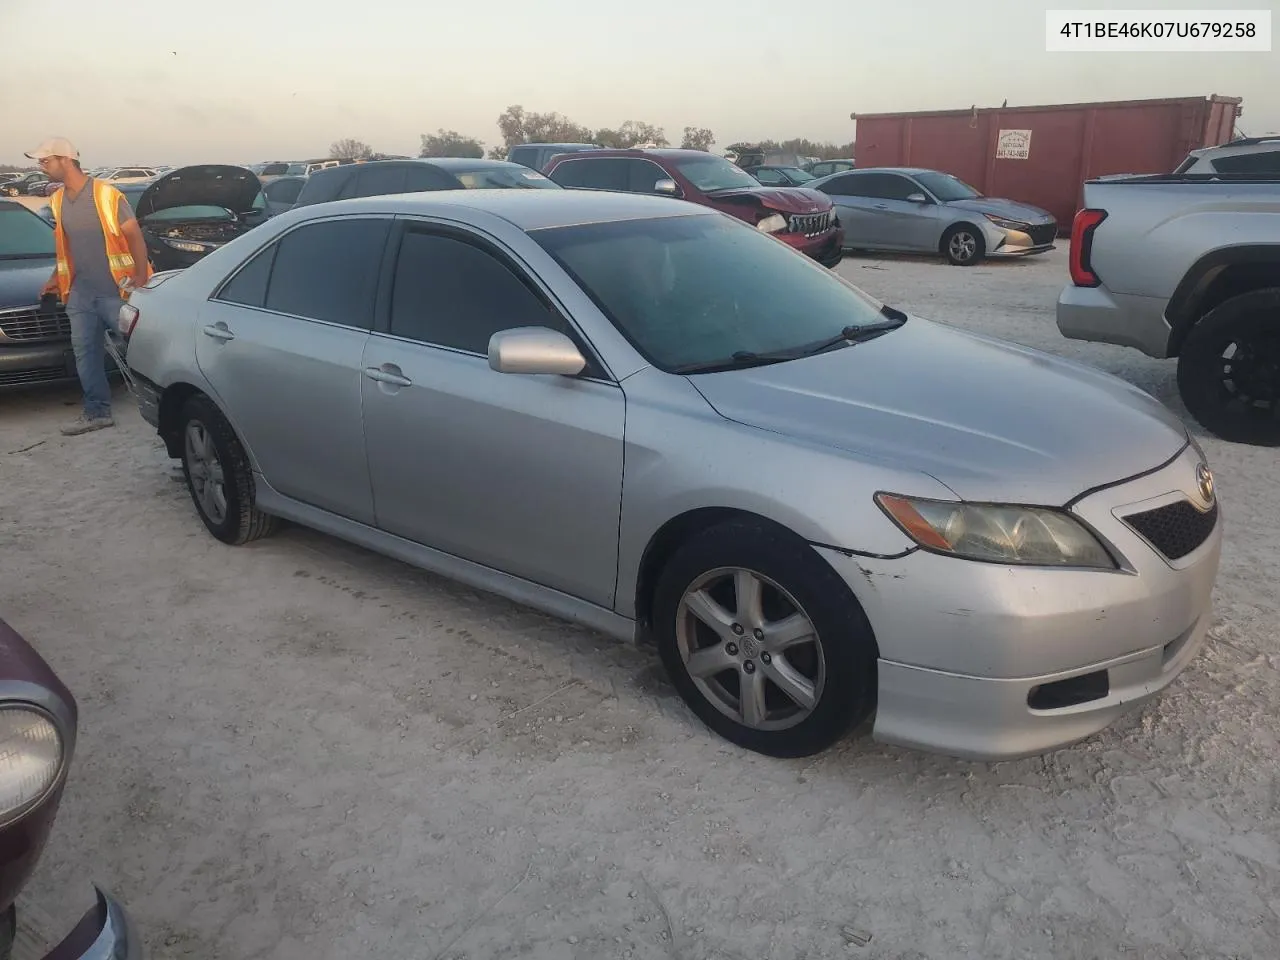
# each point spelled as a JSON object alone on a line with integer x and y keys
{"x": 1266, "y": 162}
{"x": 698, "y": 289}
{"x": 604, "y": 173}
{"x": 324, "y": 187}
{"x": 274, "y": 169}
{"x": 528, "y": 156}
{"x": 379, "y": 179}
{"x": 769, "y": 177}
{"x": 329, "y": 271}
{"x": 845, "y": 186}
{"x": 283, "y": 191}
{"x": 249, "y": 286}
{"x": 642, "y": 175}
{"x": 422, "y": 176}
{"x": 454, "y": 294}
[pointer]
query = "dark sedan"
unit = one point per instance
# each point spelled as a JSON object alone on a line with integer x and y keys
{"x": 22, "y": 185}
{"x": 35, "y": 339}
{"x": 38, "y": 719}
{"x": 189, "y": 212}
{"x": 383, "y": 177}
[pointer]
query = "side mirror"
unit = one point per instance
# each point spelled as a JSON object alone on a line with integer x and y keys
{"x": 667, "y": 187}
{"x": 535, "y": 350}
{"x": 917, "y": 198}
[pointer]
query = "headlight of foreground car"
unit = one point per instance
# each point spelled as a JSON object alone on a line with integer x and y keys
{"x": 772, "y": 223}
{"x": 997, "y": 534}
{"x": 1005, "y": 223}
{"x": 31, "y": 748}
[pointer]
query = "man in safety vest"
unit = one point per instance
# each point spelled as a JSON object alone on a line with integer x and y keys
{"x": 101, "y": 256}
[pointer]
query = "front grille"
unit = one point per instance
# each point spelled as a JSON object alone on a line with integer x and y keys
{"x": 32, "y": 326}
{"x": 1175, "y": 529}
{"x": 13, "y": 378}
{"x": 810, "y": 224}
{"x": 1043, "y": 233}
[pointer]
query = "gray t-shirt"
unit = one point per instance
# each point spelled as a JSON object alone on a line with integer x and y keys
{"x": 87, "y": 243}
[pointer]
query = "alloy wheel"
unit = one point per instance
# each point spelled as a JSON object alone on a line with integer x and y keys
{"x": 963, "y": 246}
{"x": 750, "y": 649}
{"x": 206, "y": 473}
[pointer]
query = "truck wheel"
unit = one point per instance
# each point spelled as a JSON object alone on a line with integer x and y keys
{"x": 763, "y": 640}
{"x": 218, "y": 475}
{"x": 963, "y": 245}
{"x": 1229, "y": 369}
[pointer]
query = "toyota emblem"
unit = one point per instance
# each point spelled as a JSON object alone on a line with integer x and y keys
{"x": 1204, "y": 479}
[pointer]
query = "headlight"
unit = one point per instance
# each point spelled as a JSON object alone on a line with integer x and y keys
{"x": 772, "y": 223}
{"x": 31, "y": 748}
{"x": 187, "y": 245}
{"x": 1006, "y": 223}
{"x": 999, "y": 534}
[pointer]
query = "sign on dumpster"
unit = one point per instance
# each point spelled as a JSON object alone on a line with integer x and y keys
{"x": 1013, "y": 145}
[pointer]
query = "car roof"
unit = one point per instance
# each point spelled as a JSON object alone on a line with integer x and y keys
{"x": 666, "y": 153}
{"x": 525, "y": 209}
{"x": 461, "y": 164}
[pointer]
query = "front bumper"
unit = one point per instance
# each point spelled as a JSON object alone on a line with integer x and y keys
{"x": 23, "y": 366}
{"x": 968, "y": 650}
{"x": 1097, "y": 315}
{"x": 1007, "y": 243}
{"x": 105, "y": 932}
{"x": 827, "y": 248}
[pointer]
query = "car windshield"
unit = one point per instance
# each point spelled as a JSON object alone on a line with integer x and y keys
{"x": 23, "y": 235}
{"x": 796, "y": 175}
{"x": 505, "y": 178}
{"x": 710, "y": 174}
{"x": 946, "y": 187}
{"x": 696, "y": 290}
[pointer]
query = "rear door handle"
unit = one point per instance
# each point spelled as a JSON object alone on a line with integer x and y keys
{"x": 388, "y": 373}
{"x": 219, "y": 331}
{"x": 882, "y": 206}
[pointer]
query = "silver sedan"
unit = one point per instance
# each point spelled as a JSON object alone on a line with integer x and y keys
{"x": 925, "y": 211}
{"x": 646, "y": 416}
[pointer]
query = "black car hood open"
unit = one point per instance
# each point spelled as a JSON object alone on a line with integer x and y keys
{"x": 215, "y": 185}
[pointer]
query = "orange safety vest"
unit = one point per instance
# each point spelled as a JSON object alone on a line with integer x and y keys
{"x": 106, "y": 199}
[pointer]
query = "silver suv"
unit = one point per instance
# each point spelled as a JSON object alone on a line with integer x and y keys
{"x": 1247, "y": 155}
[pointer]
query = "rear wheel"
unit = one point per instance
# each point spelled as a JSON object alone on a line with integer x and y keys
{"x": 764, "y": 641}
{"x": 1229, "y": 369}
{"x": 219, "y": 476}
{"x": 963, "y": 245}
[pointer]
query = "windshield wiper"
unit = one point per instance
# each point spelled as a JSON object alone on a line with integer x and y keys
{"x": 849, "y": 335}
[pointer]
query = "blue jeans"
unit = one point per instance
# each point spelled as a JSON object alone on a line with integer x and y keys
{"x": 91, "y": 317}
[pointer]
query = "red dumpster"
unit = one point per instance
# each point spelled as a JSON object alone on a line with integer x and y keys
{"x": 1042, "y": 155}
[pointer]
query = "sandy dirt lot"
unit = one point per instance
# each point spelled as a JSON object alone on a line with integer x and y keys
{"x": 302, "y": 750}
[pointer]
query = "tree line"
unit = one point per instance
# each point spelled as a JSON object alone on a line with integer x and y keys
{"x": 517, "y": 125}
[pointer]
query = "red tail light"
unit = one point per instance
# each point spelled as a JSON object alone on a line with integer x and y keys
{"x": 127, "y": 318}
{"x": 1082, "y": 228}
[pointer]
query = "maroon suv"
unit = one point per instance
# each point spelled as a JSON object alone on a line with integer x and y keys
{"x": 803, "y": 218}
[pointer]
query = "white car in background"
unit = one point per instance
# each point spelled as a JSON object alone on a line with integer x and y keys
{"x": 1259, "y": 155}
{"x": 129, "y": 174}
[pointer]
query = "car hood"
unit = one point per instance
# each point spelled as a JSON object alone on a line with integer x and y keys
{"x": 1004, "y": 208}
{"x": 22, "y": 280}
{"x": 783, "y": 199}
{"x": 215, "y": 185}
{"x": 991, "y": 420}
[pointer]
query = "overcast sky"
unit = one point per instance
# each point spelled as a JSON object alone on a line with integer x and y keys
{"x": 164, "y": 81}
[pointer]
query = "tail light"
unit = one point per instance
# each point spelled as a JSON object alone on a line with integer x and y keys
{"x": 127, "y": 319}
{"x": 1082, "y": 228}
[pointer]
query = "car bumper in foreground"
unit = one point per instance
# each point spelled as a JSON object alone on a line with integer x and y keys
{"x": 104, "y": 933}
{"x": 989, "y": 661}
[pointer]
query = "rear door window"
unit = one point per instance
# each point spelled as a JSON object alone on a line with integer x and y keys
{"x": 380, "y": 179}
{"x": 329, "y": 271}
{"x": 850, "y": 185}
{"x": 1267, "y": 161}
{"x": 603, "y": 173}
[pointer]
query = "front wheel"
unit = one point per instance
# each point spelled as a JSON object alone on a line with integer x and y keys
{"x": 1229, "y": 369}
{"x": 764, "y": 641}
{"x": 219, "y": 476}
{"x": 963, "y": 245}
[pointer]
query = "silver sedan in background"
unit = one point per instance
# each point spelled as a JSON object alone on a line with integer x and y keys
{"x": 649, "y": 417}
{"x": 925, "y": 211}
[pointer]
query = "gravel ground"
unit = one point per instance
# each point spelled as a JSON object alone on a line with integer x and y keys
{"x": 300, "y": 749}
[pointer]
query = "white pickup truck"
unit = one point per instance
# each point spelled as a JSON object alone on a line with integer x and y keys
{"x": 1187, "y": 266}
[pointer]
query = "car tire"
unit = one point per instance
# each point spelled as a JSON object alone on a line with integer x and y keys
{"x": 963, "y": 245}
{"x": 833, "y": 666}
{"x": 1235, "y": 397}
{"x": 218, "y": 475}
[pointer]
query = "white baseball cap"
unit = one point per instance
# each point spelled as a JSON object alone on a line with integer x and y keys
{"x": 55, "y": 147}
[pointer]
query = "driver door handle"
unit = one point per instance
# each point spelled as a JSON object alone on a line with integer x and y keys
{"x": 388, "y": 373}
{"x": 219, "y": 331}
